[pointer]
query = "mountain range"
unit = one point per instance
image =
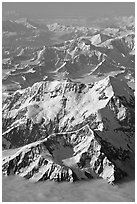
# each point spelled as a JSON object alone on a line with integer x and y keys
{"x": 68, "y": 100}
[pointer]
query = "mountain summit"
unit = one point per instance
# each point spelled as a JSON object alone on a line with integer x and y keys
{"x": 91, "y": 124}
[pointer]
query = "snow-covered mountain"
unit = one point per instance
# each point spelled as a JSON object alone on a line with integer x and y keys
{"x": 64, "y": 109}
{"x": 80, "y": 57}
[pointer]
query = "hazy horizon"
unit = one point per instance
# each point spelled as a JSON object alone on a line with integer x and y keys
{"x": 67, "y": 9}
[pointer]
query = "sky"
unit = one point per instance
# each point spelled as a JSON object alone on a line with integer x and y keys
{"x": 68, "y": 9}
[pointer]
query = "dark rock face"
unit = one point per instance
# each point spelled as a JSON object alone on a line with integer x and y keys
{"x": 72, "y": 131}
